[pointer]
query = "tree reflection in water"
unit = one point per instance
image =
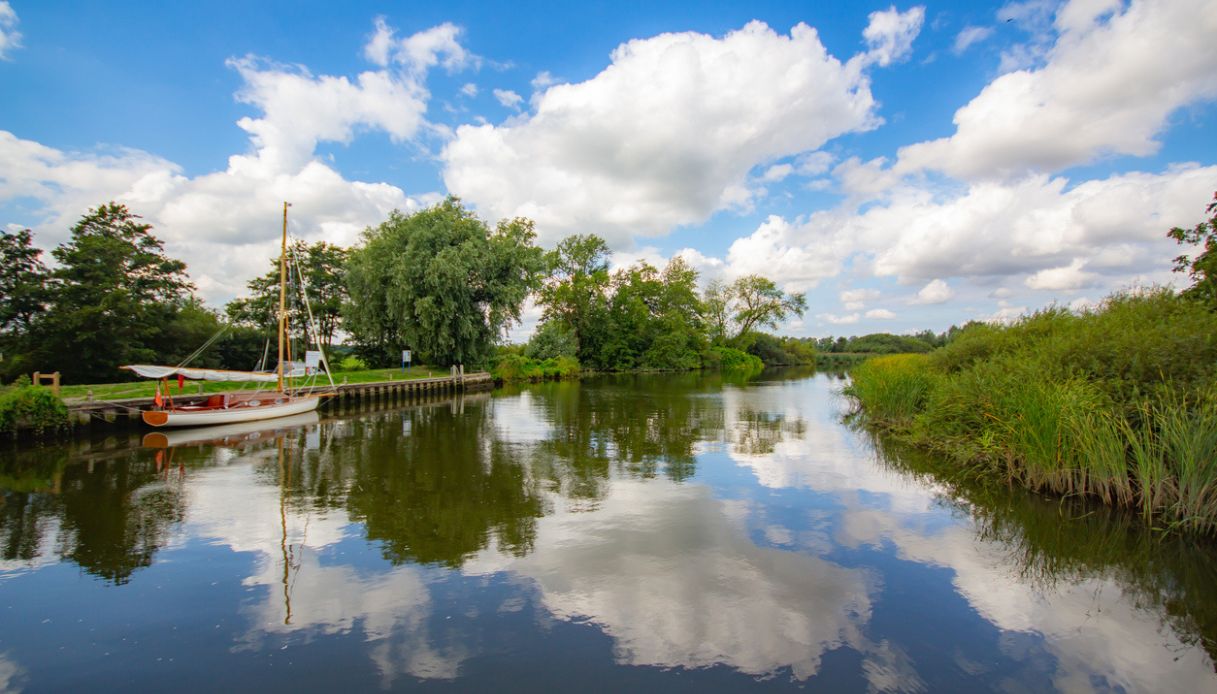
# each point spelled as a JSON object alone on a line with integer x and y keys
{"x": 108, "y": 512}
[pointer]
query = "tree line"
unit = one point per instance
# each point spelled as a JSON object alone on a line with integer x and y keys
{"x": 439, "y": 281}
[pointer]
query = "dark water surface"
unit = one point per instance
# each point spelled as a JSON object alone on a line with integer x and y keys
{"x": 658, "y": 533}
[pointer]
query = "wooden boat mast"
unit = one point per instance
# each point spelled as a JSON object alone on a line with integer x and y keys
{"x": 282, "y": 292}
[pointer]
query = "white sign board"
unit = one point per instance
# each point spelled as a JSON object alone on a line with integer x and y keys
{"x": 405, "y": 356}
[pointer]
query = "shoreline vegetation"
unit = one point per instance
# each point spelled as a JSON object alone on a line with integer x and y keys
{"x": 1116, "y": 404}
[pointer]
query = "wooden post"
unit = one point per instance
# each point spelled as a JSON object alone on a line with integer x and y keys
{"x": 39, "y": 377}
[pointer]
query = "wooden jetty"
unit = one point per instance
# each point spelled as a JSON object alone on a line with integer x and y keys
{"x": 347, "y": 396}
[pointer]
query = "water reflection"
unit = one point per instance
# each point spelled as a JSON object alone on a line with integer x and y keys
{"x": 108, "y": 513}
{"x": 671, "y": 575}
{"x": 734, "y": 530}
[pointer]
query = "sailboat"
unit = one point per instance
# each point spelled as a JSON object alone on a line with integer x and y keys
{"x": 230, "y": 408}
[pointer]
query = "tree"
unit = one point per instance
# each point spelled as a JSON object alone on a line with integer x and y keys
{"x": 1202, "y": 267}
{"x": 758, "y": 302}
{"x": 716, "y": 302}
{"x": 576, "y": 292}
{"x": 551, "y": 340}
{"x": 324, "y": 268}
{"x": 115, "y": 292}
{"x": 681, "y": 328}
{"x": 23, "y": 298}
{"x": 22, "y": 279}
{"x": 734, "y": 311}
{"x": 441, "y": 282}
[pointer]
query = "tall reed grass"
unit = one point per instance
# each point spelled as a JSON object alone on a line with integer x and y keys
{"x": 1118, "y": 403}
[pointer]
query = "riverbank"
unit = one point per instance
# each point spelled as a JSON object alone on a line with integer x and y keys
{"x": 33, "y": 411}
{"x": 1118, "y": 404}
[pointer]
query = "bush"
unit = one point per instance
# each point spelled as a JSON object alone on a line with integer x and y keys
{"x": 511, "y": 367}
{"x": 31, "y": 408}
{"x": 352, "y": 363}
{"x": 729, "y": 359}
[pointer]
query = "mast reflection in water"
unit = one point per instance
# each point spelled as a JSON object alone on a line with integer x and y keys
{"x": 661, "y": 532}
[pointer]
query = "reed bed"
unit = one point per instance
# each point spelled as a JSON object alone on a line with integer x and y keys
{"x": 1118, "y": 404}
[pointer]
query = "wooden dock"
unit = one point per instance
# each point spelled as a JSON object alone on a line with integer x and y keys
{"x": 347, "y": 396}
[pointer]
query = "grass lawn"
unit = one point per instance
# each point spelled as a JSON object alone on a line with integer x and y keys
{"x": 146, "y": 388}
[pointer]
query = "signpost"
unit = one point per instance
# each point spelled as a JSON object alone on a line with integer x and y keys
{"x": 405, "y": 360}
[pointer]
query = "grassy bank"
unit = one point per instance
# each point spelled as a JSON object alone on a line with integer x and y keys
{"x": 1118, "y": 404}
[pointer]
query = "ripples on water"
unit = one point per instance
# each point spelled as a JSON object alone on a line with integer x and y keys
{"x": 657, "y": 533}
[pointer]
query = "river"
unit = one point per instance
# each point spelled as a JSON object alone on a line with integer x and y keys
{"x": 675, "y": 533}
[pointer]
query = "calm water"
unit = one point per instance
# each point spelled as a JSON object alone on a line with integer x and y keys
{"x": 654, "y": 533}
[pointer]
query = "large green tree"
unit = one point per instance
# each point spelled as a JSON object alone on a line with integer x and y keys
{"x": 115, "y": 294}
{"x": 22, "y": 281}
{"x": 734, "y": 312}
{"x": 1201, "y": 267}
{"x": 323, "y": 266}
{"x": 23, "y": 298}
{"x": 441, "y": 282}
{"x": 576, "y": 294}
{"x": 654, "y": 319}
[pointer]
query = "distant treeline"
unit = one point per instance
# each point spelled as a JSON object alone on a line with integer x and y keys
{"x": 885, "y": 343}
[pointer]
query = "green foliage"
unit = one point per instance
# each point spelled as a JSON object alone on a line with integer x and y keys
{"x": 782, "y": 351}
{"x": 352, "y": 363}
{"x": 511, "y": 367}
{"x": 653, "y": 320}
{"x": 635, "y": 318}
{"x": 1119, "y": 403}
{"x": 441, "y": 282}
{"x": 23, "y": 293}
{"x": 882, "y": 343}
{"x": 731, "y": 359}
{"x": 1202, "y": 267}
{"x": 323, "y": 267}
{"x": 734, "y": 311}
{"x": 552, "y": 339}
{"x": 115, "y": 293}
{"x": 894, "y": 387}
{"x": 576, "y": 294}
{"x": 31, "y": 408}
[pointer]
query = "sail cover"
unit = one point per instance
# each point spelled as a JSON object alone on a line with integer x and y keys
{"x": 150, "y": 371}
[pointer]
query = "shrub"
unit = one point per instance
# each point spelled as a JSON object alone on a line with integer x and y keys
{"x": 511, "y": 367}
{"x": 352, "y": 363}
{"x": 31, "y": 408}
{"x": 730, "y": 359}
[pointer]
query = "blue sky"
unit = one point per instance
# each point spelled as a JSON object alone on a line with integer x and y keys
{"x": 909, "y": 166}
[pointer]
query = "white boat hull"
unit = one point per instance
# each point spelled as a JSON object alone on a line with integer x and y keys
{"x": 246, "y": 413}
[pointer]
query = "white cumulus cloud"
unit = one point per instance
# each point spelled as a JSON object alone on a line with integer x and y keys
{"x": 935, "y": 292}
{"x": 1064, "y": 278}
{"x": 664, "y": 136}
{"x": 854, "y": 299}
{"x": 1108, "y": 86}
